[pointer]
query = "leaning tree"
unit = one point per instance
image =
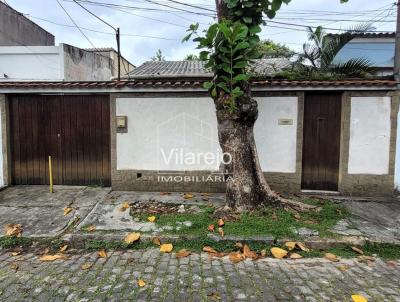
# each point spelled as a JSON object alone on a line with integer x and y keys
{"x": 228, "y": 47}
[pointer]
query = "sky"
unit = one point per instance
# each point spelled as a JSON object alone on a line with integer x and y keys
{"x": 149, "y": 25}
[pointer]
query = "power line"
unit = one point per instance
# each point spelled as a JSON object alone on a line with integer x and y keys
{"x": 191, "y": 5}
{"x": 105, "y": 22}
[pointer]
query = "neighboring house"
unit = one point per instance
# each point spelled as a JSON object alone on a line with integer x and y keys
{"x": 378, "y": 48}
{"x": 110, "y": 52}
{"x": 16, "y": 29}
{"x": 63, "y": 62}
{"x": 135, "y": 134}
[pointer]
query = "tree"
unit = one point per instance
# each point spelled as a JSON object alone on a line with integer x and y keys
{"x": 191, "y": 57}
{"x": 228, "y": 46}
{"x": 158, "y": 57}
{"x": 271, "y": 49}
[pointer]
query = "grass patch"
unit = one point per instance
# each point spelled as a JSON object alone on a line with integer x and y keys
{"x": 7, "y": 242}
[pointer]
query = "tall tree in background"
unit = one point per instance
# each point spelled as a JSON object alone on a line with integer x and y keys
{"x": 228, "y": 47}
{"x": 271, "y": 49}
{"x": 158, "y": 57}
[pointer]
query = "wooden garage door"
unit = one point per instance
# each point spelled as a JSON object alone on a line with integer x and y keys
{"x": 73, "y": 129}
{"x": 321, "y": 141}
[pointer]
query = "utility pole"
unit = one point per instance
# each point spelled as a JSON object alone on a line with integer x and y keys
{"x": 397, "y": 47}
{"x": 119, "y": 53}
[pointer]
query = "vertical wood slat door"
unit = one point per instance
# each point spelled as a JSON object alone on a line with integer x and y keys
{"x": 73, "y": 129}
{"x": 321, "y": 142}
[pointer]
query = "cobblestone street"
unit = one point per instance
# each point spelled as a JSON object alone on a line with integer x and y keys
{"x": 194, "y": 278}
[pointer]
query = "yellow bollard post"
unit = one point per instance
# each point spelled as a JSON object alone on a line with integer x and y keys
{"x": 50, "y": 175}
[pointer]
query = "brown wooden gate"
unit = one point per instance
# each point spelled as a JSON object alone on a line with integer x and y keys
{"x": 321, "y": 141}
{"x": 73, "y": 129}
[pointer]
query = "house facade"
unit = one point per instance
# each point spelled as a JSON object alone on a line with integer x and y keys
{"x": 160, "y": 134}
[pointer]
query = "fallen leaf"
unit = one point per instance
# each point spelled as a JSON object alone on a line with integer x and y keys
{"x": 343, "y": 268}
{"x": 166, "y": 247}
{"x": 211, "y": 228}
{"x": 63, "y": 248}
{"x": 279, "y": 253}
{"x": 14, "y": 266}
{"x": 221, "y": 232}
{"x": 187, "y": 196}
{"x": 91, "y": 228}
{"x": 358, "y": 298}
{"x": 209, "y": 249}
{"x": 239, "y": 245}
{"x": 156, "y": 241}
{"x": 131, "y": 237}
{"x": 302, "y": 247}
{"x": 332, "y": 257}
{"x": 141, "y": 283}
{"x": 182, "y": 253}
{"x": 236, "y": 257}
{"x": 339, "y": 211}
{"x": 221, "y": 222}
{"x": 102, "y": 254}
{"x": 295, "y": 256}
{"x": 13, "y": 230}
{"x": 297, "y": 216}
{"x": 356, "y": 249}
{"x": 52, "y": 257}
{"x": 86, "y": 266}
{"x": 67, "y": 211}
{"x": 124, "y": 207}
{"x": 15, "y": 254}
{"x": 290, "y": 245}
{"x": 151, "y": 218}
{"x": 366, "y": 258}
{"x": 249, "y": 253}
{"x": 214, "y": 295}
{"x": 263, "y": 253}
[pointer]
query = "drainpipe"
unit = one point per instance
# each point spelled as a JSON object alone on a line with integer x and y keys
{"x": 396, "y": 70}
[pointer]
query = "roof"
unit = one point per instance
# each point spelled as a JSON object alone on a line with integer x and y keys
{"x": 196, "y": 69}
{"x": 100, "y": 49}
{"x": 190, "y": 85}
{"x": 369, "y": 35}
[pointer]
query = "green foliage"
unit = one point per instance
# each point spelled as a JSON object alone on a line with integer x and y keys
{"x": 271, "y": 49}
{"x": 158, "y": 57}
{"x": 12, "y": 241}
{"x": 191, "y": 57}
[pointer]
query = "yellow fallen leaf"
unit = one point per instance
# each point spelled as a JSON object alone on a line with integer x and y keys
{"x": 151, "y": 218}
{"x": 63, "y": 248}
{"x": 15, "y": 254}
{"x": 67, "y": 211}
{"x": 209, "y": 249}
{"x": 187, "y": 196}
{"x": 132, "y": 237}
{"x": 52, "y": 257}
{"x": 221, "y": 232}
{"x": 166, "y": 247}
{"x": 358, "y": 298}
{"x": 14, "y": 266}
{"x": 249, "y": 253}
{"x": 13, "y": 230}
{"x": 221, "y": 222}
{"x": 302, "y": 247}
{"x": 278, "y": 252}
{"x": 102, "y": 254}
{"x": 156, "y": 241}
{"x": 124, "y": 207}
{"x": 290, "y": 245}
{"x": 91, "y": 228}
{"x": 182, "y": 253}
{"x": 86, "y": 266}
{"x": 236, "y": 257}
{"x": 295, "y": 256}
{"x": 343, "y": 268}
{"x": 357, "y": 250}
{"x": 332, "y": 257}
{"x": 239, "y": 245}
{"x": 141, "y": 283}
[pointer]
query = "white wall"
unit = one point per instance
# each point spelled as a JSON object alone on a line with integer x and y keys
{"x": 276, "y": 144}
{"x": 31, "y": 63}
{"x": 369, "y": 135}
{"x": 397, "y": 163}
{"x": 190, "y": 124}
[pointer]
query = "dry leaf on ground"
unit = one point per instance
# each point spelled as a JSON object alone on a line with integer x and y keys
{"x": 187, "y": 196}
{"x": 156, "y": 241}
{"x": 239, "y": 245}
{"x": 166, "y": 248}
{"x": 102, "y": 254}
{"x": 151, "y": 218}
{"x": 211, "y": 228}
{"x": 295, "y": 256}
{"x": 357, "y": 250}
{"x": 297, "y": 216}
{"x": 358, "y": 298}
{"x": 14, "y": 266}
{"x": 236, "y": 257}
{"x": 366, "y": 258}
{"x": 263, "y": 253}
{"x": 214, "y": 295}
{"x": 209, "y": 249}
{"x": 63, "y": 248}
{"x": 278, "y": 252}
{"x": 52, "y": 257}
{"x": 67, "y": 211}
{"x": 332, "y": 257}
{"x": 302, "y": 247}
{"x": 290, "y": 245}
{"x": 13, "y": 230}
{"x": 131, "y": 237}
{"x": 91, "y": 228}
{"x": 221, "y": 232}
{"x": 86, "y": 266}
{"x": 182, "y": 253}
{"x": 221, "y": 222}
{"x": 141, "y": 283}
{"x": 249, "y": 253}
{"x": 15, "y": 254}
{"x": 124, "y": 207}
{"x": 343, "y": 268}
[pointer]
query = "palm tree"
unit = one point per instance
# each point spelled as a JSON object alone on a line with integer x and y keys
{"x": 319, "y": 53}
